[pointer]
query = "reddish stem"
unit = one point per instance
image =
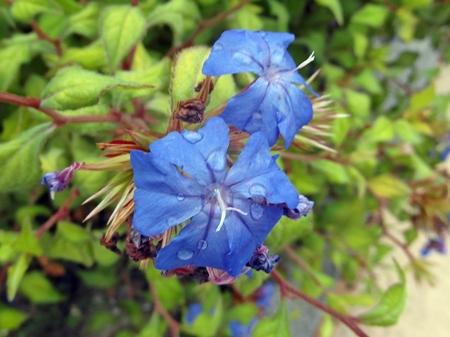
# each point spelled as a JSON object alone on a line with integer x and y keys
{"x": 287, "y": 288}
{"x": 62, "y": 212}
{"x": 42, "y": 36}
{"x": 205, "y": 25}
{"x": 134, "y": 3}
{"x": 174, "y": 326}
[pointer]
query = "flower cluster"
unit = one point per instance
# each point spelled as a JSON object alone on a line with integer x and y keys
{"x": 198, "y": 210}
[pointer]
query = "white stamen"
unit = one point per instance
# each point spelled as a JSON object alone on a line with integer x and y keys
{"x": 304, "y": 63}
{"x": 224, "y": 209}
{"x": 52, "y": 195}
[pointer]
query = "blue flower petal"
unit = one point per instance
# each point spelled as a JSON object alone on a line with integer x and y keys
{"x": 230, "y": 248}
{"x": 163, "y": 197}
{"x": 251, "y": 111}
{"x": 255, "y": 173}
{"x": 237, "y": 51}
{"x": 201, "y": 154}
{"x": 294, "y": 109}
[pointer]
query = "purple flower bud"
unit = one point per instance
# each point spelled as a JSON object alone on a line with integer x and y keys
{"x": 302, "y": 209}
{"x": 58, "y": 181}
{"x": 261, "y": 260}
{"x": 437, "y": 244}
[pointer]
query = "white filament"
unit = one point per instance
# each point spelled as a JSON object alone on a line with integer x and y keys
{"x": 224, "y": 209}
{"x": 304, "y": 63}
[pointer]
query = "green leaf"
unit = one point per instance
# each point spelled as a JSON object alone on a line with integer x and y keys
{"x": 180, "y": 15}
{"x": 358, "y": 103}
{"x": 276, "y": 326}
{"x": 90, "y": 57}
{"x": 39, "y": 289}
{"x": 388, "y": 186}
{"x": 367, "y": 80}
{"x": 169, "y": 290}
{"x": 422, "y": 99}
{"x": 11, "y": 319}
{"x": 407, "y": 132}
{"x": 341, "y": 127}
{"x": 27, "y": 241}
{"x": 412, "y": 4}
{"x": 74, "y": 88}
{"x": 20, "y": 167}
{"x": 187, "y": 73}
{"x": 382, "y": 130}
{"x": 389, "y": 309}
{"x": 371, "y": 15}
{"x": 85, "y": 22}
{"x": 410, "y": 235}
{"x": 247, "y": 18}
{"x": 15, "y": 52}
{"x": 15, "y": 275}
{"x": 335, "y": 7}
{"x": 70, "y": 249}
{"x": 121, "y": 27}
{"x": 25, "y": 10}
{"x": 327, "y": 327}
{"x": 360, "y": 43}
{"x": 335, "y": 172}
{"x": 408, "y": 22}
{"x": 72, "y": 232}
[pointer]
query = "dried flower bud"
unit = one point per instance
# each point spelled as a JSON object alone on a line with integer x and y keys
{"x": 302, "y": 209}
{"x": 261, "y": 260}
{"x": 191, "y": 110}
{"x": 58, "y": 181}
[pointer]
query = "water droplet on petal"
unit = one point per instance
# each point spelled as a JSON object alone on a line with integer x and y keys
{"x": 243, "y": 59}
{"x": 202, "y": 244}
{"x": 185, "y": 254}
{"x": 256, "y": 211}
{"x": 217, "y": 47}
{"x": 217, "y": 161}
{"x": 257, "y": 115}
{"x": 180, "y": 197}
{"x": 192, "y": 136}
{"x": 257, "y": 190}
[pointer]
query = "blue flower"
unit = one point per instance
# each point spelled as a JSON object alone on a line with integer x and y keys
{"x": 239, "y": 329}
{"x": 264, "y": 295}
{"x": 194, "y": 310}
{"x": 272, "y": 104}
{"x": 437, "y": 244}
{"x": 58, "y": 181}
{"x": 185, "y": 177}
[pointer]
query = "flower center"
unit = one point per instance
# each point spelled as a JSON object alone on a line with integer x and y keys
{"x": 224, "y": 208}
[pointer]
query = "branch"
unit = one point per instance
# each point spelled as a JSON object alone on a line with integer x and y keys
{"x": 287, "y": 288}
{"x": 174, "y": 326}
{"x": 205, "y": 25}
{"x": 42, "y": 36}
{"x": 62, "y": 212}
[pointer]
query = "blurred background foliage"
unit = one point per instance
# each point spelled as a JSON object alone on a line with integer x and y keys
{"x": 368, "y": 171}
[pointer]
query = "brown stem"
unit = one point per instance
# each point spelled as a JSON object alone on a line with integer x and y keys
{"x": 302, "y": 264}
{"x": 62, "y": 212}
{"x": 3, "y": 273}
{"x": 134, "y": 3}
{"x": 205, "y": 25}
{"x": 174, "y": 326}
{"x": 350, "y": 322}
{"x": 42, "y": 36}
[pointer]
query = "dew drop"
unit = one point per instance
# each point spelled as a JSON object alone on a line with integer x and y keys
{"x": 256, "y": 211}
{"x": 257, "y": 190}
{"x": 192, "y": 136}
{"x": 217, "y": 47}
{"x": 217, "y": 161}
{"x": 202, "y": 244}
{"x": 257, "y": 115}
{"x": 185, "y": 254}
{"x": 180, "y": 197}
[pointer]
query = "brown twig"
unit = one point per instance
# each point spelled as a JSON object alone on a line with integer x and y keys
{"x": 302, "y": 264}
{"x": 134, "y": 3}
{"x": 205, "y": 25}
{"x": 61, "y": 213}
{"x": 287, "y": 288}
{"x": 174, "y": 326}
{"x": 42, "y": 36}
